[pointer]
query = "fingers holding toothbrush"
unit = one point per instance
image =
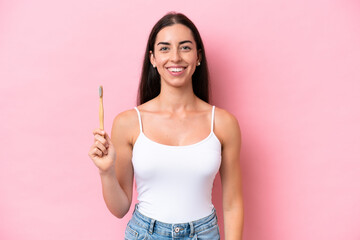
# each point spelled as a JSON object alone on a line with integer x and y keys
{"x": 102, "y": 152}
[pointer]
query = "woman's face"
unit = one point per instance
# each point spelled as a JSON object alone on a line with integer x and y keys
{"x": 175, "y": 55}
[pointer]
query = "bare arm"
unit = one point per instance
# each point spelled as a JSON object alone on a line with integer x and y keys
{"x": 117, "y": 178}
{"x": 231, "y": 177}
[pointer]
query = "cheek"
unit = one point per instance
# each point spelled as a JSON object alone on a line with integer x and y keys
{"x": 191, "y": 58}
{"x": 160, "y": 60}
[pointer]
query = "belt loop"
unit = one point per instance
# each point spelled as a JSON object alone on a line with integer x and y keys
{"x": 151, "y": 228}
{"x": 191, "y": 229}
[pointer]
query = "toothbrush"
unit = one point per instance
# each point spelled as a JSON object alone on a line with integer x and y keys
{"x": 101, "y": 109}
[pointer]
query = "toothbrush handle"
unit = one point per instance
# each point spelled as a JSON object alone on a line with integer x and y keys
{"x": 101, "y": 114}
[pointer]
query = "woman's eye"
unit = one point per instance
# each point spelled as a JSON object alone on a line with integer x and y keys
{"x": 186, "y": 48}
{"x": 164, "y": 49}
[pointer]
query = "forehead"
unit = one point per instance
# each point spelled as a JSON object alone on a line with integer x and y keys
{"x": 174, "y": 33}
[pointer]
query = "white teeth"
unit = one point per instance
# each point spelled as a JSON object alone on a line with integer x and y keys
{"x": 176, "y": 69}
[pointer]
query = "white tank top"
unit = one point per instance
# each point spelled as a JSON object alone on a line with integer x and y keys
{"x": 174, "y": 183}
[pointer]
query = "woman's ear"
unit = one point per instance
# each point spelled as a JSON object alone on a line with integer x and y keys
{"x": 152, "y": 59}
{"x": 199, "y": 55}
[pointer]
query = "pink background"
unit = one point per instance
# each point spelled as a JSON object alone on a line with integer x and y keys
{"x": 289, "y": 71}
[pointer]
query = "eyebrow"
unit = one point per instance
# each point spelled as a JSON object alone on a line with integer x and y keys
{"x": 182, "y": 42}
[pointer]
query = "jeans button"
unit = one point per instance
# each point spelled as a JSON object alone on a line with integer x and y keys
{"x": 177, "y": 229}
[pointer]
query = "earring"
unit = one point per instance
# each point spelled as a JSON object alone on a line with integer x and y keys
{"x": 154, "y": 66}
{"x": 198, "y": 64}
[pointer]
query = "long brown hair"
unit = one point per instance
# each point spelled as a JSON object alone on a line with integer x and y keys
{"x": 149, "y": 86}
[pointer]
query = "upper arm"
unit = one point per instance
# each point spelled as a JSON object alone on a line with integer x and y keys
{"x": 122, "y": 133}
{"x": 230, "y": 135}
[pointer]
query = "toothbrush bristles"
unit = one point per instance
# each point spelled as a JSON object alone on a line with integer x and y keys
{"x": 100, "y": 91}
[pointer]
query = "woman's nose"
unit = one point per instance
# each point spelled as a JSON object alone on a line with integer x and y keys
{"x": 175, "y": 56}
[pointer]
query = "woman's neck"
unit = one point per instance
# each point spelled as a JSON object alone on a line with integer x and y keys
{"x": 176, "y": 99}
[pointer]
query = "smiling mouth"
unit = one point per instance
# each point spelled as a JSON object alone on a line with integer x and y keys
{"x": 176, "y": 69}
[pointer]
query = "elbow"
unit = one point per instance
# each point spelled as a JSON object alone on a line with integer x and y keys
{"x": 235, "y": 204}
{"x": 120, "y": 216}
{"x": 120, "y": 213}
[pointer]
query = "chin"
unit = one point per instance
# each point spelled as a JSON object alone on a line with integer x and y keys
{"x": 177, "y": 82}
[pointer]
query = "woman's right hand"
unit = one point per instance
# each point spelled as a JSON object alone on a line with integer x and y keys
{"x": 102, "y": 152}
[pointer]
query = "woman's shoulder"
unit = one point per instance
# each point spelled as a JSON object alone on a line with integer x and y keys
{"x": 225, "y": 117}
{"x": 126, "y": 122}
{"x": 226, "y": 125}
{"x": 126, "y": 117}
{"x": 126, "y": 125}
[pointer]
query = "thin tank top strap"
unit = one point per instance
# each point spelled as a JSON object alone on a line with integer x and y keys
{"x": 212, "y": 118}
{"x": 138, "y": 112}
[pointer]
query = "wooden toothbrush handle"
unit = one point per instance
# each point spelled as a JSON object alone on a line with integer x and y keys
{"x": 101, "y": 114}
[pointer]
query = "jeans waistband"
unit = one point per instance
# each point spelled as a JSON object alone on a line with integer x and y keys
{"x": 173, "y": 228}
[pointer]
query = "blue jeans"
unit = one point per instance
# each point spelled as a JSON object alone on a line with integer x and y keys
{"x": 141, "y": 227}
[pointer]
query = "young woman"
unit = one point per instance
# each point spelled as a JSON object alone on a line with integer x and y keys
{"x": 174, "y": 143}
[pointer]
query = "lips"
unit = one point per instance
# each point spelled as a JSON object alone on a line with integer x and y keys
{"x": 176, "y": 70}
